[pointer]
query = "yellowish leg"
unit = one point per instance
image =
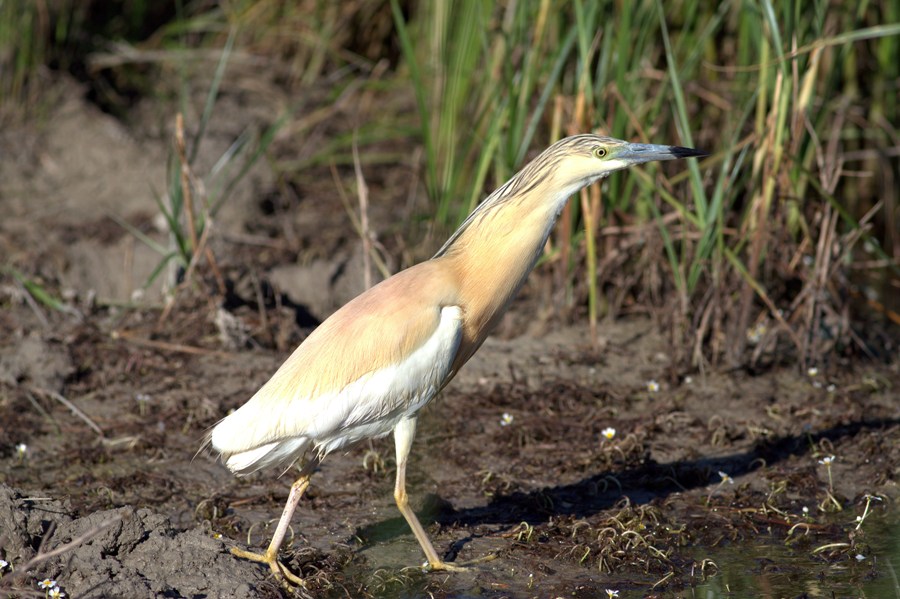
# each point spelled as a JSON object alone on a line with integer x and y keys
{"x": 270, "y": 557}
{"x": 404, "y": 433}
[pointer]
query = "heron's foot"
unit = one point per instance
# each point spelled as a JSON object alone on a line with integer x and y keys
{"x": 280, "y": 571}
{"x": 443, "y": 566}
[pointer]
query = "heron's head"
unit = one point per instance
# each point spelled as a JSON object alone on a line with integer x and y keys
{"x": 582, "y": 159}
{"x": 546, "y": 183}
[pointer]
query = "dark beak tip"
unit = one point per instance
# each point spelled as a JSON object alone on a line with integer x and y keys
{"x": 680, "y": 152}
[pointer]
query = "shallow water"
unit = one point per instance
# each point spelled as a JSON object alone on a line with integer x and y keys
{"x": 768, "y": 569}
{"x": 774, "y": 570}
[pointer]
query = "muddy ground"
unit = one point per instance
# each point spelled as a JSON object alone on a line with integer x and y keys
{"x": 110, "y": 399}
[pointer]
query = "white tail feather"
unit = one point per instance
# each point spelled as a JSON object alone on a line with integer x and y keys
{"x": 279, "y": 453}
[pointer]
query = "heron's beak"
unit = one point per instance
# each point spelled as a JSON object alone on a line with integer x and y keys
{"x": 639, "y": 153}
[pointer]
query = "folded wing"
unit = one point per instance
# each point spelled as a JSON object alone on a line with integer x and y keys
{"x": 382, "y": 356}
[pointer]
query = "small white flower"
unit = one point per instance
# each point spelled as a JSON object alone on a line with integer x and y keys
{"x": 812, "y": 371}
{"x": 860, "y": 557}
{"x": 55, "y": 593}
{"x": 726, "y": 478}
{"x": 47, "y": 583}
{"x": 21, "y": 449}
{"x": 611, "y": 593}
{"x": 609, "y": 432}
{"x": 827, "y": 460}
{"x": 831, "y": 388}
{"x": 859, "y": 518}
{"x": 805, "y": 511}
{"x": 755, "y": 334}
{"x": 143, "y": 400}
{"x": 652, "y": 386}
{"x": 688, "y": 380}
{"x": 506, "y": 419}
{"x": 3, "y": 565}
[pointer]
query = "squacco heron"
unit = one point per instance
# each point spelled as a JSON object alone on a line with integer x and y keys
{"x": 374, "y": 364}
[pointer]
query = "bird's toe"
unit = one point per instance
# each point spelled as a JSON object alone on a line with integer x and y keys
{"x": 280, "y": 571}
{"x": 442, "y": 566}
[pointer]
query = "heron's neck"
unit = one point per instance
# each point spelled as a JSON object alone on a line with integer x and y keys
{"x": 497, "y": 247}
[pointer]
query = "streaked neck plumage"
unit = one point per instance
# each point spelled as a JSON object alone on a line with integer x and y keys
{"x": 498, "y": 245}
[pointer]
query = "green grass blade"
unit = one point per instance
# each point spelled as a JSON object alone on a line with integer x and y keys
{"x": 412, "y": 64}
{"x": 38, "y": 292}
{"x": 212, "y": 94}
{"x": 552, "y": 81}
{"x": 140, "y": 235}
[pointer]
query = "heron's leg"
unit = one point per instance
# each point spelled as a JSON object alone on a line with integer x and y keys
{"x": 270, "y": 557}
{"x": 404, "y": 433}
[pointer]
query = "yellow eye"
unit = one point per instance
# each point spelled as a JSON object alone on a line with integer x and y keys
{"x": 600, "y": 152}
